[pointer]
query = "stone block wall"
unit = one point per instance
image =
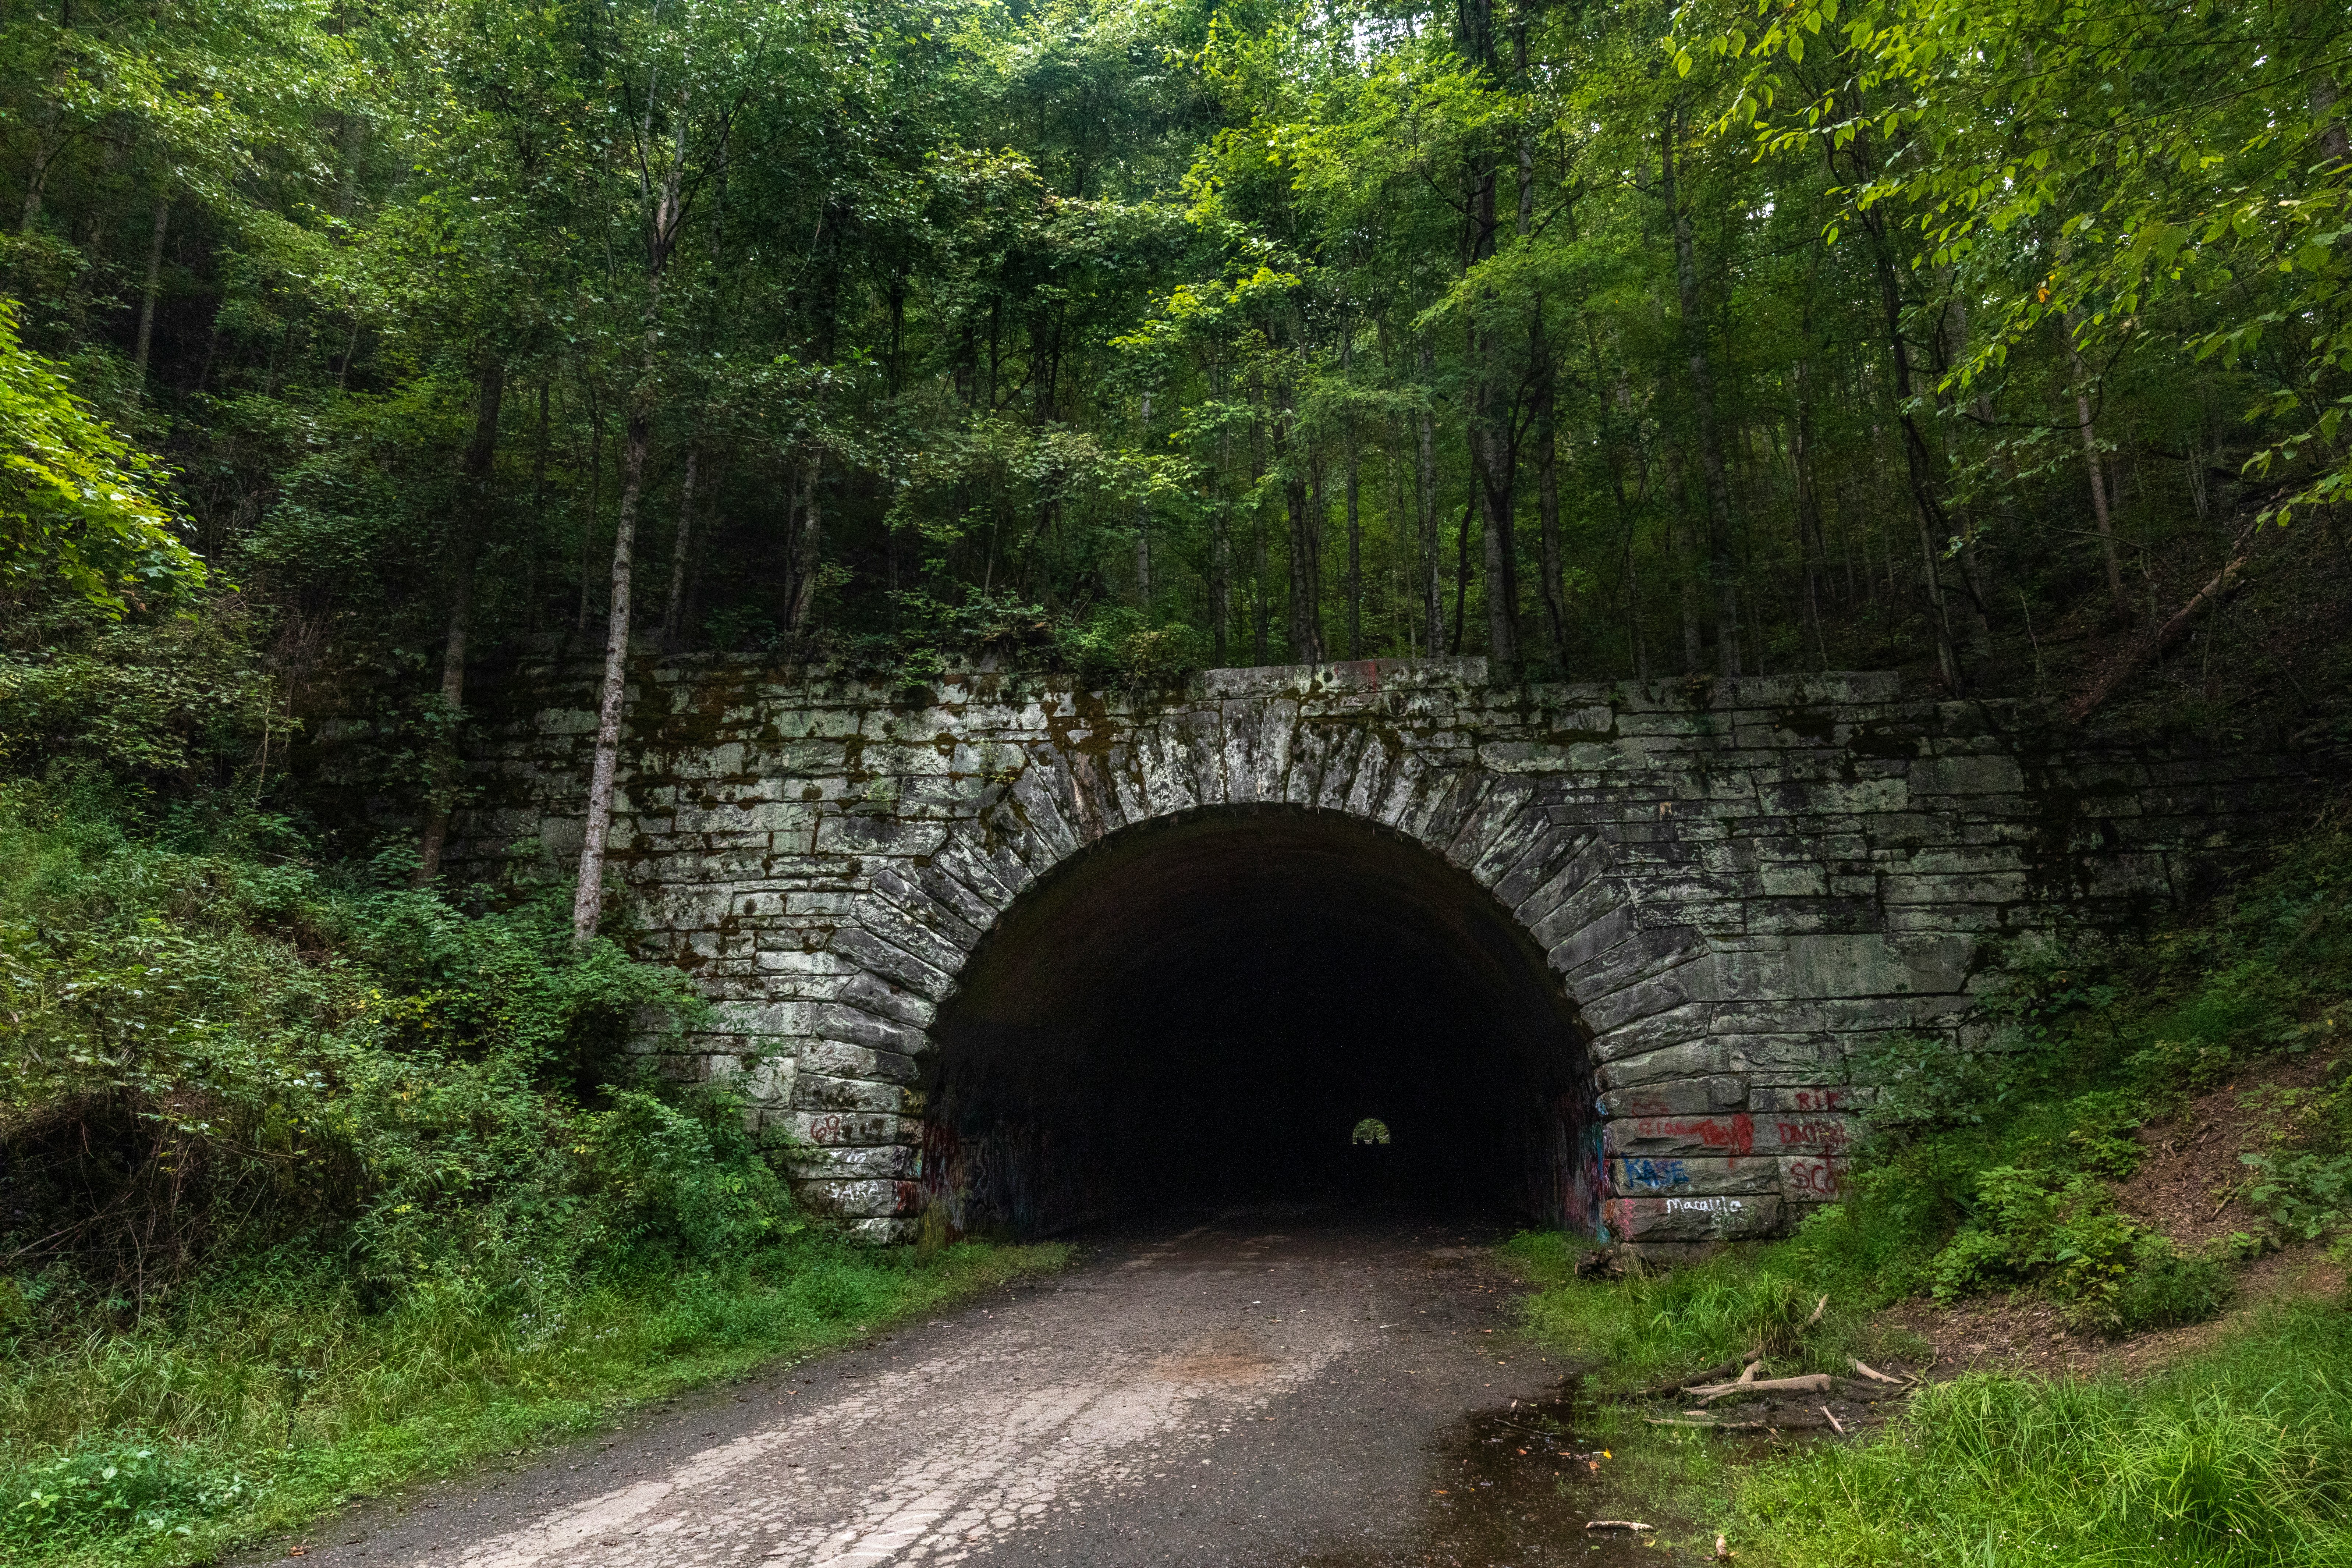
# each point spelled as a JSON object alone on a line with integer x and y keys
{"x": 1743, "y": 885}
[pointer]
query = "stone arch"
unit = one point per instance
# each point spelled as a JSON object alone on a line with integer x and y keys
{"x": 1052, "y": 804}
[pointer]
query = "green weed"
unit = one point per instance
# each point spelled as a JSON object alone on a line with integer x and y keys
{"x": 2241, "y": 1457}
{"x": 269, "y": 1394}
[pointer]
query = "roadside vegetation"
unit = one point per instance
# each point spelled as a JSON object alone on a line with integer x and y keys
{"x": 1996, "y": 1175}
{"x": 312, "y": 1180}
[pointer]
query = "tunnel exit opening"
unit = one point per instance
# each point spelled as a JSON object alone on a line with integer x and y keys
{"x": 1209, "y": 1010}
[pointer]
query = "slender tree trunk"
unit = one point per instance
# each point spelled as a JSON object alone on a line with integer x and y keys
{"x": 538, "y": 499}
{"x": 1721, "y": 566}
{"x": 1144, "y": 527}
{"x": 1461, "y": 568}
{"x": 1927, "y": 511}
{"x": 679, "y": 553}
{"x": 1401, "y": 508}
{"x": 468, "y": 519}
{"x": 1686, "y": 568}
{"x": 1262, "y": 607}
{"x": 2333, "y": 145}
{"x": 2084, "y": 421}
{"x": 1353, "y": 500}
{"x": 808, "y": 536}
{"x": 147, "y": 296}
{"x": 47, "y": 142}
{"x": 1548, "y": 565}
{"x": 1302, "y": 501}
{"x": 595, "y": 496}
{"x": 1426, "y": 480}
{"x": 1220, "y": 523}
{"x": 1810, "y": 542}
{"x": 1555, "y": 595}
{"x": 588, "y": 894}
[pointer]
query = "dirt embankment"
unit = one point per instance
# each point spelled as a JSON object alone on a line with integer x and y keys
{"x": 2191, "y": 1186}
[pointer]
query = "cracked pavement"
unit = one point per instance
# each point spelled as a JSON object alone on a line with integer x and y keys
{"x": 1260, "y": 1389}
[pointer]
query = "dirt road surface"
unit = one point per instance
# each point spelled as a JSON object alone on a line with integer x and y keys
{"x": 1264, "y": 1390}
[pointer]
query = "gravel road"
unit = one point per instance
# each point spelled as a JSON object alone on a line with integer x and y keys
{"x": 1267, "y": 1389}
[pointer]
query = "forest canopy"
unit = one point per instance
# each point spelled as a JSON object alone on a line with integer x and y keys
{"x": 2003, "y": 344}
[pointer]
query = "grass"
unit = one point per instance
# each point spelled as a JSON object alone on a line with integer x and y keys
{"x": 267, "y": 1397}
{"x": 2240, "y": 1455}
{"x": 1646, "y": 1329}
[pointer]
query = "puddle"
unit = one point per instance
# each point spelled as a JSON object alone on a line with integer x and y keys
{"x": 1513, "y": 1489}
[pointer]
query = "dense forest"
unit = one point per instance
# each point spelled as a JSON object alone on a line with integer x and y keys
{"x": 1606, "y": 339}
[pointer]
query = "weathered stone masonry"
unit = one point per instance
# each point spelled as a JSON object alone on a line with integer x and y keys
{"x": 1740, "y": 883}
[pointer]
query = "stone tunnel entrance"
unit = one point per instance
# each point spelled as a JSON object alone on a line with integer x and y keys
{"x": 1205, "y": 1009}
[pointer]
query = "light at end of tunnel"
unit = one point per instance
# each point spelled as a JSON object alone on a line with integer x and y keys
{"x": 1370, "y": 1130}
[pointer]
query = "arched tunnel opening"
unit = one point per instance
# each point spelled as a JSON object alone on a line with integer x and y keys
{"x": 1207, "y": 1011}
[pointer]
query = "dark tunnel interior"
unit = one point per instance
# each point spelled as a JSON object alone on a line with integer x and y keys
{"x": 1202, "y": 1011}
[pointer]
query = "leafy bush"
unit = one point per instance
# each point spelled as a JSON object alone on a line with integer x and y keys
{"x": 2306, "y": 1195}
{"x": 2062, "y": 1232}
{"x": 214, "y": 1053}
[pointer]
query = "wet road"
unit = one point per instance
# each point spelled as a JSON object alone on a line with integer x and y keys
{"x": 1260, "y": 1390}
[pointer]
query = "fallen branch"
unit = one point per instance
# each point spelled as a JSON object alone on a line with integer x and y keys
{"x": 1811, "y": 1383}
{"x": 1633, "y": 1524}
{"x": 1715, "y": 1374}
{"x": 1819, "y": 1308}
{"x": 1872, "y": 1373}
{"x": 2171, "y": 632}
{"x": 1839, "y": 1426}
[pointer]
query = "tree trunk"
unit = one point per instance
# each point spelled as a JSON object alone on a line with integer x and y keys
{"x": 595, "y": 495}
{"x": 46, "y": 145}
{"x": 2084, "y": 421}
{"x": 469, "y": 518}
{"x": 1721, "y": 567}
{"x": 1353, "y": 500}
{"x": 1685, "y": 550}
{"x": 1261, "y": 605}
{"x": 1548, "y": 566}
{"x": 1461, "y": 568}
{"x": 1426, "y": 480}
{"x": 1304, "y": 509}
{"x": 678, "y": 557}
{"x": 1220, "y": 523}
{"x": 1927, "y": 511}
{"x": 147, "y": 295}
{"x": 588, "y": 895}
{"x": 1810, "y": 543}
{"x": 2333, "y": 145}
{"x": 1143, "y": 526}
{"x": 1555, "y": 595}
{"x": 808, "y": 536}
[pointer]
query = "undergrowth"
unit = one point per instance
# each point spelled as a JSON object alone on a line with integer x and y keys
{"x": 312, "y": 1182}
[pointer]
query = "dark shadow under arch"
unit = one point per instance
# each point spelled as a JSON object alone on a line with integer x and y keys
{"x": 1199, "y": 1010}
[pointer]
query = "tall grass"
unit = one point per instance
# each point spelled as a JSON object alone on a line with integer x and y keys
{"x": 1646, "y": 1329}
{"x": 268, "y": 1394}
{"x": 2242, "y": 1455}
